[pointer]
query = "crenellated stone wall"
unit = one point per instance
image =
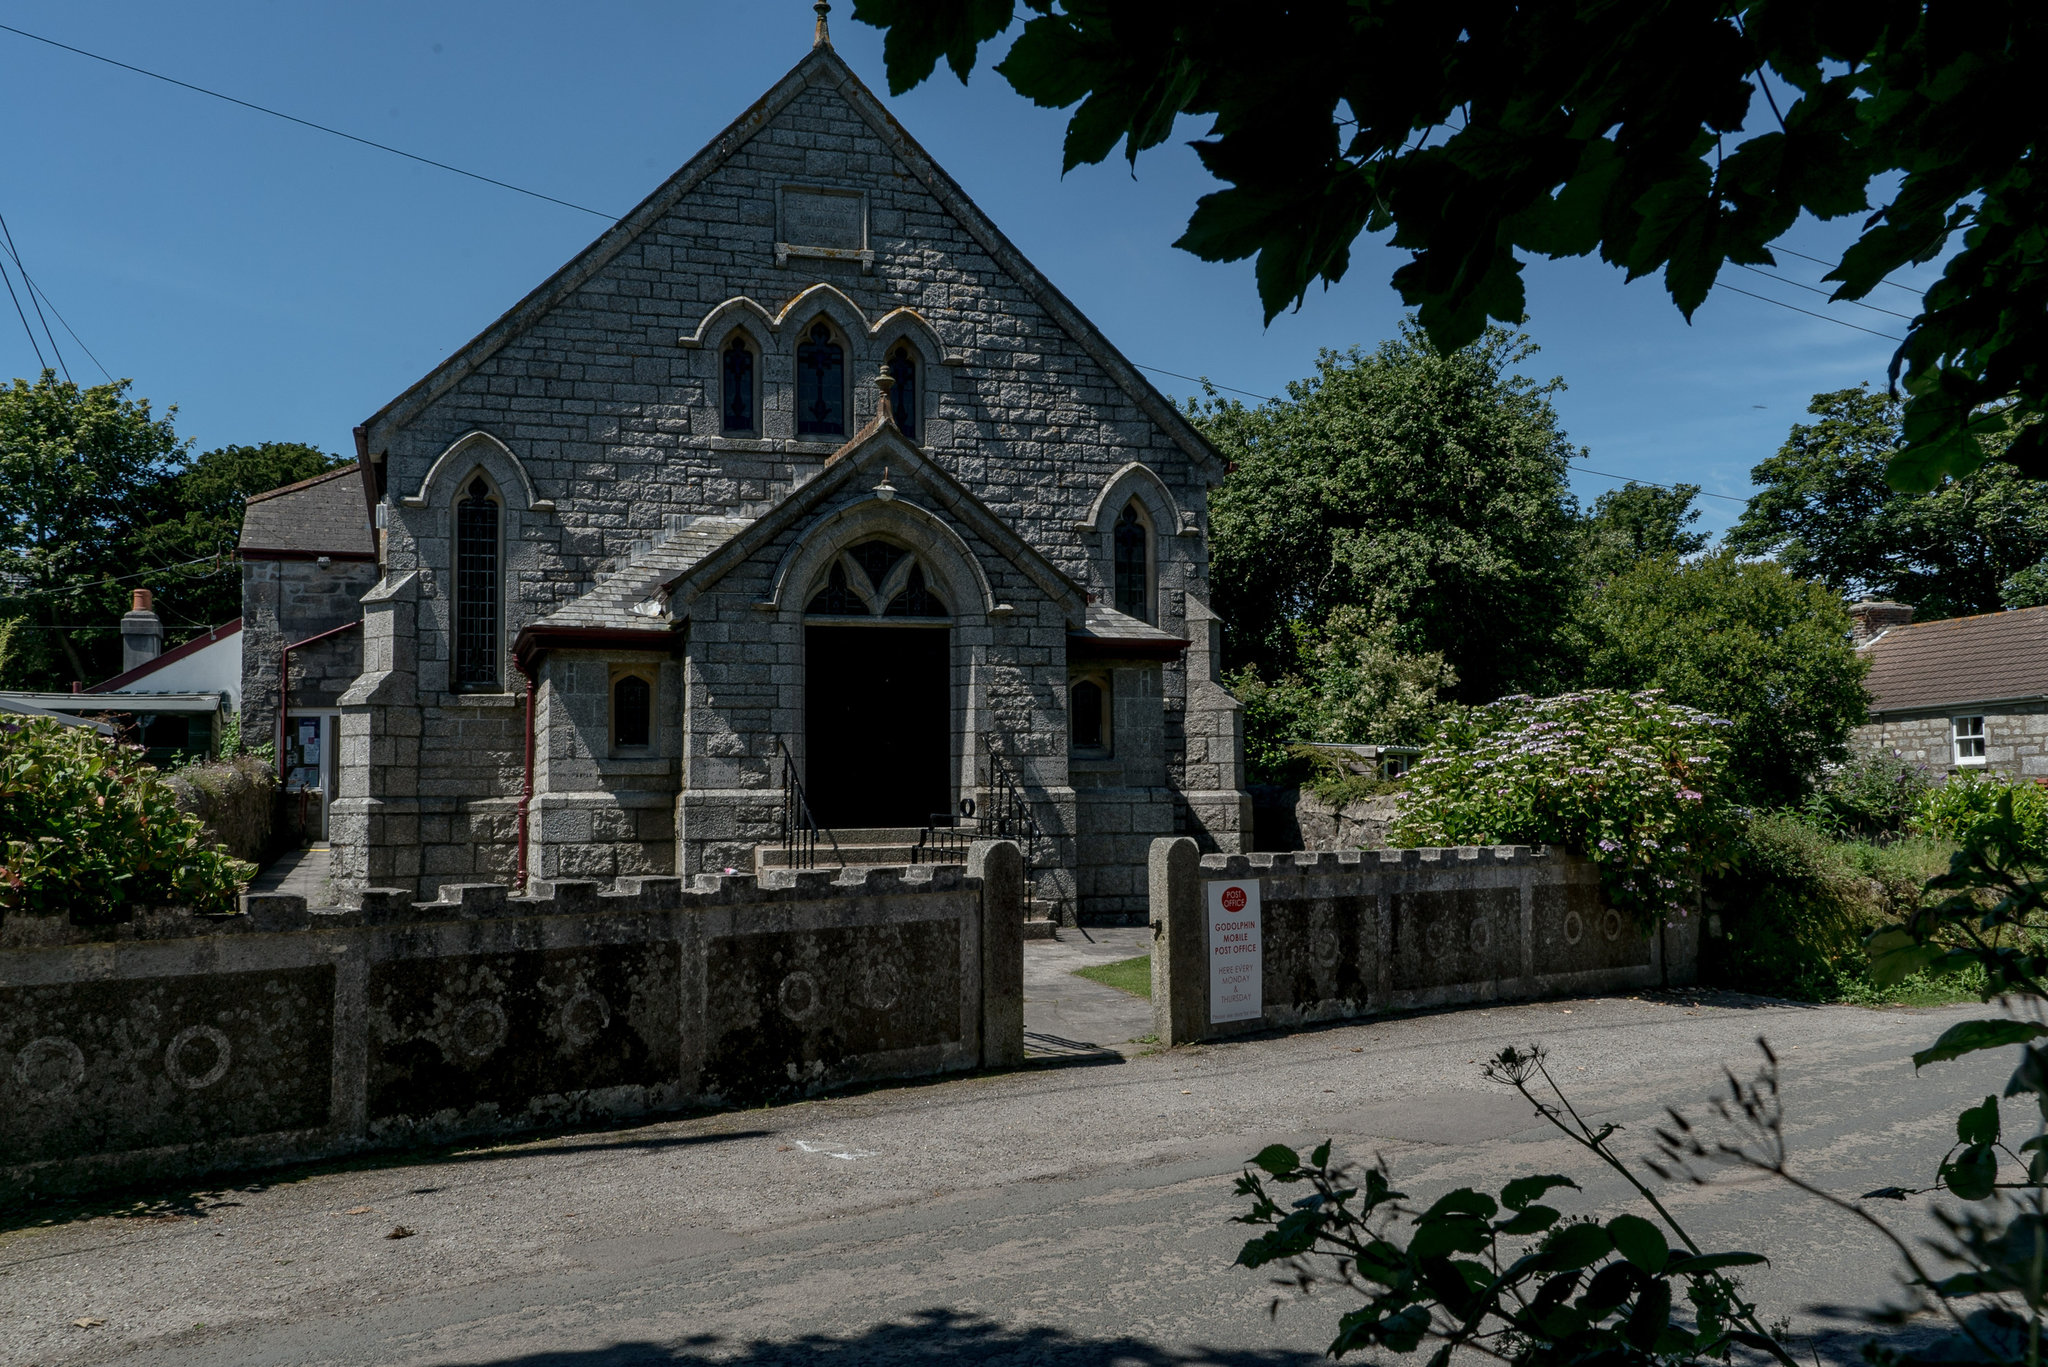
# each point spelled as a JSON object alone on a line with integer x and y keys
{"x": 1361, "y": 932}
{"x": 177, "y": 1044}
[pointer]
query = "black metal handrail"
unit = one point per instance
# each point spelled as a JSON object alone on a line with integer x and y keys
{"x": 1006, "y": 812}
{"x": 800, "y": 830}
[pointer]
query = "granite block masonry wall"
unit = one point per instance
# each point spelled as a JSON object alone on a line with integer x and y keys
{"x": 2015, "y": 739}
{"x": 175, "y": 1045}
{"x": 1360, "y": 932}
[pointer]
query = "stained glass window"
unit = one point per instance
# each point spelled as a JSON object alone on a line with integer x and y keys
{"x": 877, "y": 558}
{"x": 632, "y": 711}
{"x": 1133, "y": 594}
{"x": 739, "y": 388}
{"x": 820, "y": 385}
{"x": 916, "y": 600}
{"x": 476, "y": 589}
{"x": 837, "y": 598}
{"x": 903, "y": 398}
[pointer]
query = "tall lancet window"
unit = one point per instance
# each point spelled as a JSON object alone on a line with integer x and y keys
{"x": 820, "y": 385}
{"x": 476, "y": 590}
{"x": 903, "y": 398}
{"x": 738, "y": 413}
{"x": 1133, "y": 589}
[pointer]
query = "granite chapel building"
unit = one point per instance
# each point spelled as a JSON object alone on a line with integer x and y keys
{"x": 799, "y": 491}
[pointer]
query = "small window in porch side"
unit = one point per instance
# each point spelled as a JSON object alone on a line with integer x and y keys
{"x": 632, "y": 712}
{"x": 1088, "y": 717}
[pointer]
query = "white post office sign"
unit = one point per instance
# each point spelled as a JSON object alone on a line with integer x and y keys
{"x": 1236, "y": 952}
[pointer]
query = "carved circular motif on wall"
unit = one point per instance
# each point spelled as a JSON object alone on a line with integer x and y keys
{"x": 1574, "y": 927}
{"x": 48, "y": 1067}
{"x": 799, "y": 996}
{"x": 1437, "y": 939}
{"x": 478, "y": 1030}
{"x": 880, "y": 986}
{"x": 1610, "y": 924}
{"x": 584, "y": 1017}
{"x": 197, "y": 1057}
{"x": 1325, "y": 946}
{"x": 1481, "y": 934}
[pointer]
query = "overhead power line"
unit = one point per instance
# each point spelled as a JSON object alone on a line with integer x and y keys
{"x": 308, "y": 123}
{"x": 1816, "y": 289}
{"x": 38, "y": 346}
{"x": 1833, "y": 265}
{"x": 7, "y": 236}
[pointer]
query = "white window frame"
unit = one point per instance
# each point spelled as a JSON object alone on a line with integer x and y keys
{"x": 1965, "y": 733}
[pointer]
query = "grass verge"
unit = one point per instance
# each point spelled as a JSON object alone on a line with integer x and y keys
{"x": 1125, "y": 975}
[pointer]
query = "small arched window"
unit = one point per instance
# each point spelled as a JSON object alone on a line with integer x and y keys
{"x": 903, "y": 399}
{"x": 837, "y": 598}
{"x": 737, "y": 416}
{"x": 820, "y": 385}
{"x": 1133, "y": 565}
{"x": 477, "y": 579}
{"x": 632, "y": 712}
{"x": 1087, "y": 716}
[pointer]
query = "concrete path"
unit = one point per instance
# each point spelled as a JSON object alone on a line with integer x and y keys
{"x": 1066, "y": 1016}
{"x": 299, "y": 873}
{"x": 1063, "y": 1215}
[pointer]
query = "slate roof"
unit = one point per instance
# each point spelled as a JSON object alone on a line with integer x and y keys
{"x": 1107, "y": 624}
{"x": 323, "y": 515}
{"x": 1995, "y": 657}
{"x": 610, "y": 606}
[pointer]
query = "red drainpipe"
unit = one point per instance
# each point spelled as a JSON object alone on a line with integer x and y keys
{"x": 527, "y": 668}
{"x": 284, "y": 684}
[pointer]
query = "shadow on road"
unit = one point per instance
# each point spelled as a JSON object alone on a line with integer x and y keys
{"x": 160, "y": 1205}
{"x": 942, "y": 1337}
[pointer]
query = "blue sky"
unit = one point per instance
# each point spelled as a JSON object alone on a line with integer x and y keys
{"x": 279, "y": 284}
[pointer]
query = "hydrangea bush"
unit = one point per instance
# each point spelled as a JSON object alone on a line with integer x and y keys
{"x": 89, "y": 828}
{"x": 1637, "y": 784}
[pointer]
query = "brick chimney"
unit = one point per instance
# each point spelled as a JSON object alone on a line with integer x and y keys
{"x": 142, "y": 633}
{"x": 1874, "y": 616}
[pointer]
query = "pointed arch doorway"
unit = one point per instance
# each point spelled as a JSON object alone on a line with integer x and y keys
{"x": 878, "y": 696}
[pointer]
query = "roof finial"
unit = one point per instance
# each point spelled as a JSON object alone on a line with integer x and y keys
{"x": 823, "y": 35}
{"x": 885, "y": 382}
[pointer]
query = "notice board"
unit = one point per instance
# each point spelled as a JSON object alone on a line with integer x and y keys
{"x": 1236, "y": 951}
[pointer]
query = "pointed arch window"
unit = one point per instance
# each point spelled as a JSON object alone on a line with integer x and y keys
{"x": 903, "y": 399}
{"x": 477, "y": 588}
{"x": 820, "y": 384}
{"x": 737, "y": 412}
{"x": 837, "y": 598}
{"x": 1133, "y": 566}
{"x": 1088, "y": 716}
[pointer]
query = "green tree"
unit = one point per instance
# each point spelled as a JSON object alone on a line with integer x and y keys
{"x": 1479, "y": 134}
{"x": 1427, "y": 488}
{"x": 1639, "y": 520}
{"x": 76, "y": 470}
{"x": 1744, "y": 640}
{"x": 196, "y": 514}
{"x": 1825, "y": 511}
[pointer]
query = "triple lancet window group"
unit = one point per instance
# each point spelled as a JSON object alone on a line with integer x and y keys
{"x": 821, "y": 386}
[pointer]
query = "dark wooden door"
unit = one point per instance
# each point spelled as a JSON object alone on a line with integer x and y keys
{"x": 878, "y": 723}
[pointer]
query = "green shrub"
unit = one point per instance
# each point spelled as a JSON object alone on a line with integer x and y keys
{"x": 1874, "y": 796}
{"x": 1793, "y": 908}
{"x": 1276, "y": 716}
{"x": 87, "y": 827}
{"x": 1963, "y": 808}
{"x": 1637, "y": 784}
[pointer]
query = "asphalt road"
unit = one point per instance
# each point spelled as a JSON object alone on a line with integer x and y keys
{"x": 1075, "y": 1212}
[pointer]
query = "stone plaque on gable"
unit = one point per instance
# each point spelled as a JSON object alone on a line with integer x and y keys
{"x": 822, "y": 223}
